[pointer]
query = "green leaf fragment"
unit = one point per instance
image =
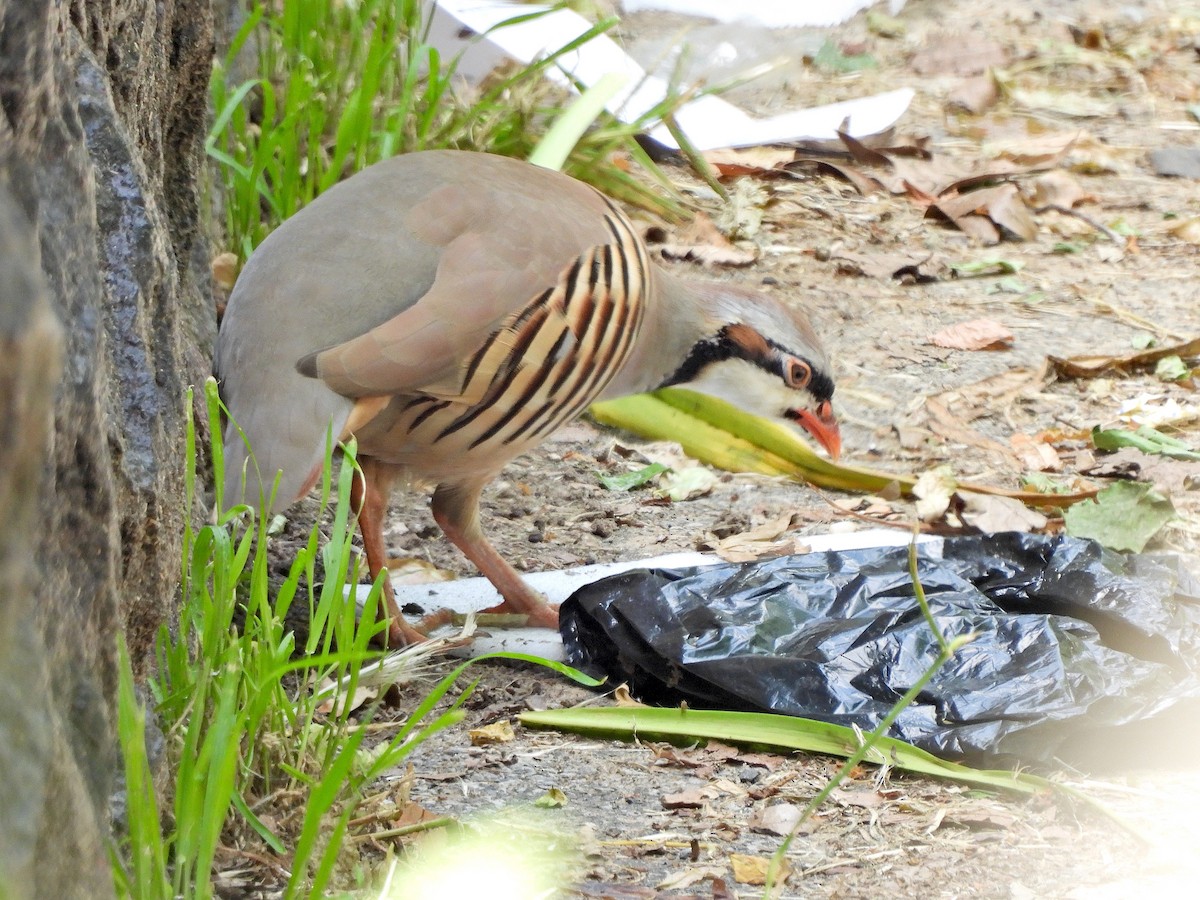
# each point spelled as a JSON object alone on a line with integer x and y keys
{"x": 882, "y": 24}
{"x": 1044, "y": 484}
{"x": 832, "y": 59}
{"x": 1171, "y": 368}
{"x": 627, "y": 481}
{"x": 772, "y": 731}
{"x": 1143, "y": 340}
{"x": 1146, "y": 439}
{"x": 552, "y": 799}
{"x": 691, "y": 482}
{"x": 1124, "y": 516}
{"x": 987, "y": 267}
{"x": 1007, "y": 286}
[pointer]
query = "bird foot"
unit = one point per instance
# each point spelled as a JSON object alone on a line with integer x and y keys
{"x": 401, "y": 633}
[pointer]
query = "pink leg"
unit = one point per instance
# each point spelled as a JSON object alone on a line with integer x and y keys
{"x": 369, "y": 497}
{"x": 456, "y": 510}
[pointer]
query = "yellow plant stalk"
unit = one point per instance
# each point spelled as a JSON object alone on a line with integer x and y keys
{"x": 724, "y": 436}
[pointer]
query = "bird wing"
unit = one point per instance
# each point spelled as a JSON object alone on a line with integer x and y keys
{"x": 499, "y": 248}
{"x": 432, "y": 346}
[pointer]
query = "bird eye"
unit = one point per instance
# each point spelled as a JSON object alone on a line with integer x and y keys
{"x": 797, "y": 373}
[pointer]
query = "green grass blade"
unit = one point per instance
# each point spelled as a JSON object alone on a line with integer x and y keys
{"x": 774, "y": 731}
{"x": 554, "y": 149}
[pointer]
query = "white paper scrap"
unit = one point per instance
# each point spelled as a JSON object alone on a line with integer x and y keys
{"x": 709, "y": 122}
{"x": 474, "y": 594}
{"x": 769, "y": 13}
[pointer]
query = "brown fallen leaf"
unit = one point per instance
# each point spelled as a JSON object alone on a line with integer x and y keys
{"x": 1169, "y": 476}
{"x": 497, "y": 733}
{"x": 1040, "y": 151}
{"x": 678, "y": 880}
{"x": 753, "y": 869}
{"x": 1090, "y": 366}
{"x": 750, "y": 160}
{"x": 1036, "y": 455}
{"x": 1061, "y": 189}
{"x": 974, "y": 95}
{"x": 865, "y": 799}
{"x": 756, "y": 543}
{"x": 1001, "y": 205}
{"x": 1187, "y": 230}
{"x": 977, "y": 334}
{"x": 409, "y": 570}
{"x": 622, "y": 696}
{"x": 363, "y": 694}
{"x": 704, "y": 243}
{"x": 692, "y": 798}
{"x": 992, "y": 515}
{"x": 778, "y": 818}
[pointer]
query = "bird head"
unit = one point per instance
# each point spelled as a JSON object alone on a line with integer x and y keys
{"x": 767, "y": 361}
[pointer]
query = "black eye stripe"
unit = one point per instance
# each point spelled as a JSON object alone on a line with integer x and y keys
{"x": 721, "y": 347}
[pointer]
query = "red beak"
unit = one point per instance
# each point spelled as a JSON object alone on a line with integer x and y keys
{"x": 822, "y": 426}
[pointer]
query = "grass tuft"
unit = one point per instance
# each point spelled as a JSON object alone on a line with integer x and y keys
{"x": 337, "y": 86}
{"x": 251, "y": 720}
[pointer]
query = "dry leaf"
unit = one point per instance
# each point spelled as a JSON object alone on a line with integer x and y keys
{"x": 975, "y": 95}
{"x": 692, "y": 798}
{"x": 867, "y": 799}
{"x": 688, "y": 877}
{"x": 1061, "y": 189}
{"x": 1187, "y": 230}
{"x": 1001, "y": 205}
{"x": 753, "y": 869}
{"x": 1090, "y": 366}
{"x": 622, "y": 696}
{"x": 934, "y": 490}
{"x": 497, "y": 733}
{"x": 704, "y": 243}
{"x": 759, "y": 542}
{"x": 778, "y": 818}
{"x": 977, "y": 334}
{"x": 409, "y": 570}
{"x": 1035, "y": 455}
{"x": 224, "y": 269}
{"x": 750, "y": 161}
{"x": 1035, "y": 152}
{"x": 363, "y": 694}
{"x": 992, "y": 514}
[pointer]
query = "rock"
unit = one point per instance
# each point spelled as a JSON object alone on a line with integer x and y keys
{"x": 100, "y": 148}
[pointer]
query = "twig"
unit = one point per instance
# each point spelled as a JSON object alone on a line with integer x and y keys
{"x": 403, "y": 830}
{"x": 1113, "y": 236}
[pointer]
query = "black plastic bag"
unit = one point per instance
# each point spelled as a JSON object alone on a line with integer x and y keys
{"x": 1073, "y": 642}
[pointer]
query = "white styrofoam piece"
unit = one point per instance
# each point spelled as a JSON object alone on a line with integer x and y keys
{"x": 709, "y": 121}
{"x": 768, "y": 13}
{"x": 474, "y": 594}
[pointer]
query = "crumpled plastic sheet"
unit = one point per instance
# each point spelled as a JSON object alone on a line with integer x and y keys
{"x": 1074, "y": 643}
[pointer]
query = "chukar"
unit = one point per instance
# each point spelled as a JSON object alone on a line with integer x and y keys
{"x": 451, "y": 310}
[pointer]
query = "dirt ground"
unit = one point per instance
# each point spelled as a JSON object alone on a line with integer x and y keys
{"x": 1121, "y": 78}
